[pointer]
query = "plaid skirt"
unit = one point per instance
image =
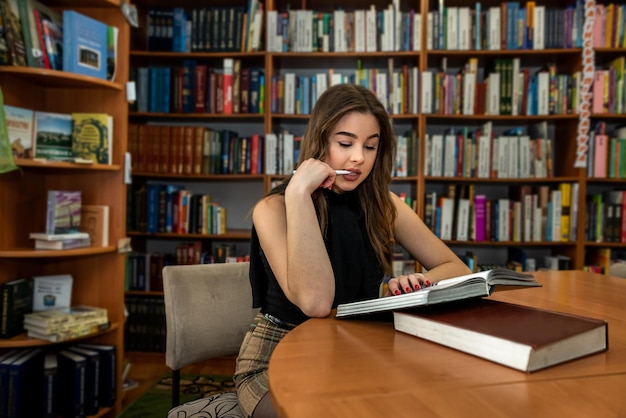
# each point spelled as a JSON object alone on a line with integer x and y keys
{"x": 250, "y": 377}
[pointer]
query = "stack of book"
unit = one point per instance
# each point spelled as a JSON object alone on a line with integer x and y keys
{"x": 65, "y": 324}
{"x": 68, "y": 241}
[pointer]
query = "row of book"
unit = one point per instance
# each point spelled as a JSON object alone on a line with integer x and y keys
{"x": 35, "y": 35}
{"x": 144, "y": 329}
{"x": 199, "y": 88}
{"x": 360, "y": 30}
{"x": 168, "y": 208}
{"x": 510, "y": 25}
{"x": 507, "y": 89}
{"x": 206, "y": 29}
{"x": 606, "y": 216}
{"x": 77, "y": 137}
{"x": 609, "y": 89}
{"x": 482, "y": 154}
{"x": 185, "y": 149}
{"x": 144, "y": 271}
{"x": 75, "y": 380}
{"x": 535, "y": 214}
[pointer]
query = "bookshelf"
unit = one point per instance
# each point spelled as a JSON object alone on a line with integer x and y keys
{"x": 560, "y": 118}
{"x": 98, "y": 272}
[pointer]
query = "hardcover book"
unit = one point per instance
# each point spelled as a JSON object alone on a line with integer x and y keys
{"x": 13, "y": 33}
{"x": 108, "y": 372}
{"x": 85, "y": 44}
{"x": 66, "y": 244}
{"x": 19, "y": 122}
{"x": 33, "y": 47}
{"x": 16, "y": 301}
{"x": 520, "y": 337}
{"x": 80, "y": 330}
{"x": 94, "y": 220}
{"x": 92, "y": 388}
{"x": 52, "y": 292}
{"x": 52, "y": 136}
{"x": 72, "y": 380}
{"x": 63, "y": 211}
{"x": 472, "y": 285}
{"x": 21, "y": 391}
{"x": 50, "y": 386}
{"x": 62, "y": 316}
{"x": 90, "y": 137}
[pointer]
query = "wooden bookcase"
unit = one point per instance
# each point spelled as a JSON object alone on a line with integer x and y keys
{"x": 243, "y": 190}
{"x": 98, "y": 273}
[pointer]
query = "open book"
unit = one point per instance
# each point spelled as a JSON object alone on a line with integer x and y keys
{"x": 482, "y": 283}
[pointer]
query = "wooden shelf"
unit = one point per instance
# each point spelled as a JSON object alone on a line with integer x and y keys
{"x": 22, "y": 341}
{"x": 61, "y": 79}
{"x": 33, "y": 253}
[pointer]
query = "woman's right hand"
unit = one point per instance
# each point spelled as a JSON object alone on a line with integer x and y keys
{"x": 313, "y": 174}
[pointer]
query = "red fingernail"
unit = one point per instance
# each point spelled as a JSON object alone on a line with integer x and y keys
{"x": 408, "y": 289}
{"x": 397, "y": 292}
{"x": 417, "y": 286}
{"x": 427, "y": 282}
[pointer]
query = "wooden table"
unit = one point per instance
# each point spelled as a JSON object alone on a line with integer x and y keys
{"x": 353, "y": 368}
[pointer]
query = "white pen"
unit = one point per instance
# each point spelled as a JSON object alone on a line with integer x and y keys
{"x": 336, "y": 171}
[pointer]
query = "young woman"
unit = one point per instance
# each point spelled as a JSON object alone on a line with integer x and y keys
{"x": 323, "y": 238}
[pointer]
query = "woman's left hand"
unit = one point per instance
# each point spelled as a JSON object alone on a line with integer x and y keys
{"x": 406, "y": 284}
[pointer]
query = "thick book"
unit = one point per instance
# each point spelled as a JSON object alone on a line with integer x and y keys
{"x": 52, "y": 292}
{"x": 85, "y": 43}
{"x": 521, "y": 337}
{"x": 92, "y": 378}
{"x": 49, "y": 386}
{"x": 67, "y": 244}
{"x": 78, "y": 331}
{"x": 16, "y": 300}
{"x": 481, "y": 283}
{"x": 72, "y": 369}
{"x": 108, "y": 372}
{"x": 58, "y": 237}
{"x": 50, "y": 318}
{"x": 94, "y": 220}
{"x": 23, "y": 372}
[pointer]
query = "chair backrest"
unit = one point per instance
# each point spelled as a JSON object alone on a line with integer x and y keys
{"x": 208, "y": 309}
{"x": 617, "y": 270}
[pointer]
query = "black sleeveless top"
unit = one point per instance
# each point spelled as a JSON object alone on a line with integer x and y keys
{"x": 358, "y": 274}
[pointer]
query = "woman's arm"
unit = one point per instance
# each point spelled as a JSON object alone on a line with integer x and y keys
{"x": 432, "y": 253}
{"x": 291, "y": 239}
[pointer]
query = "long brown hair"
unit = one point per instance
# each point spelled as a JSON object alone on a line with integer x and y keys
{"x": 380, "y": 212}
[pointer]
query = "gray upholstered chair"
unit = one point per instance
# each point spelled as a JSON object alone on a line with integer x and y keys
{"x": 208, "y": 309}
{"x": 617, "y": 270}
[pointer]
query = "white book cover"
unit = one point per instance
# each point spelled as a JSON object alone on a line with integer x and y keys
{"x": 504, "y": 228}
{"x": 493, "y": 94}
{"x": 469, "y": 89}
{"x": 359, "y": 30}
{"x": 543, "y": 93}
{"x": 484, "y": 157}
{"x": 452, "y": 28}
{"x": 427, "y": 92}
{"x": 289, "y": 100}
{"x": 339, "y": 31}
{"x": 322, "y": 83}
{"x": 52, "y": 292}
{"x": 382, "y": 83}
{"x": 524, "y": 156}
{"x": 527, "y": 207}
{"x": 515, "y": 110}
{"x": 447, "y": 217}
{"x": 417, "y": 32}
{"x": 494, "y": 39}
{"x": 503, "y": 157}
{"x": 388, "y": 31}
{"x": 307, "y": 42}
{"x": 462, "y": 219}
{"x": 437, "y": 155}
{"x": 465, "y": 27}
{"x": 427, "y": 156}
{"x": 271, "y": 142}
{"x": 288, "y": 164}
{"x": 449, "y": 156}
{"x": 539, "y": 28}
{"x": 371, "y": 30}
{"x": 429, "y": 30}
{"x": 513, "y": 164}
{"x": 271, "y": 35}
{"x": 397, "y": 25}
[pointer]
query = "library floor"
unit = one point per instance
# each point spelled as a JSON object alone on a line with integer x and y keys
{"x": 147, "y": 368}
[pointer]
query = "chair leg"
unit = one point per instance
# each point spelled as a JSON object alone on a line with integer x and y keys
{"x": 175, "y": 388}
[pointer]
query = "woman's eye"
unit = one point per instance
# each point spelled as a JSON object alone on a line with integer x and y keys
{"x": 345, "y": 144}
{"x": 371, "y": 147}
